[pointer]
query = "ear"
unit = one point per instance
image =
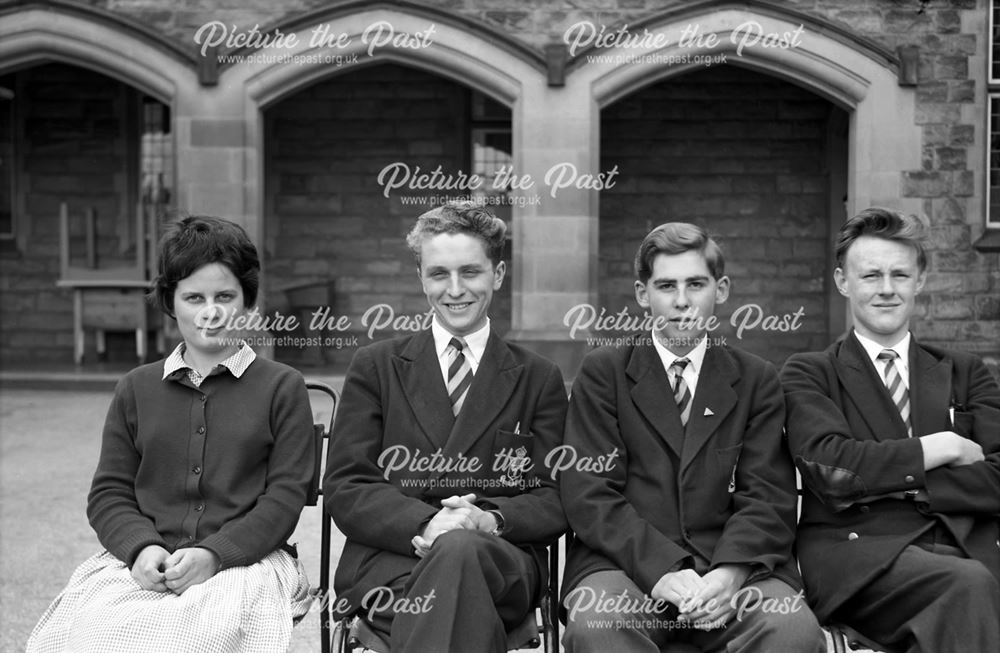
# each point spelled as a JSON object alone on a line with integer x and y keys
{"x": 423, "y": 281}
{"x": 641, "y": 294}
{"x": 841, "y": 281}
{"x": 921, "y": 280}
{"x": 498, "y": 274}
{"x": 722, "y": 290}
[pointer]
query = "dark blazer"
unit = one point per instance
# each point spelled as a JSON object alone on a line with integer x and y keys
{"x": 395, "y": 403}
{"x": 857, "y": 462}
{"x": 723, "y": 489}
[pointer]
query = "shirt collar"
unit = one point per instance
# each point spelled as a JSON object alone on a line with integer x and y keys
{"x": 872, "y": 348}
{"x": 696, "y": 357}
{"x": 237, "y": 364}
{"x": 475, "y": 341}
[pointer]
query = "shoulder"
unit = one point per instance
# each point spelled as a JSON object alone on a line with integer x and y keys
{"x": 268, "y": 366}
{"x": 745, "y": 360}
{"x": 142, "y": 377}
{"x": 270, "y": 372}
{"x": 961, "y": 359}
{"x": 622, "y": 352}
{"x": 814, "y": 359}
{"x": 385, "y": 349}
{"x": 611, "y": 361}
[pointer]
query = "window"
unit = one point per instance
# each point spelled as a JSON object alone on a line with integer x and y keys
{"x": 993, "y": 139}
{"x": 491, "y": 150}
{"x": 7, "y": 159}
{"x": 993, "y": 186}
{"x": 156, "y": 153}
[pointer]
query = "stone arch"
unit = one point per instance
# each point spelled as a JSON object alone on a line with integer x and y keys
{"x": 850, "y": 71}
{"x": 101, "y": 41}
{"x": 462, "y": 51}
{"x": 857, "y": 74}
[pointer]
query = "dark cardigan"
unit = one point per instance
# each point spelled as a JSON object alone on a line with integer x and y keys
{"x": 225, "y": 466}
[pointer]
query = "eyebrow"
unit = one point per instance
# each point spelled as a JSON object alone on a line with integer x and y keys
{"x": 702, "y": 277}
{"x": 218, "y": 292}
{"x": 442, "y": 268}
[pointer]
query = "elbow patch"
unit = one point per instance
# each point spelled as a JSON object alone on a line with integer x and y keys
{"x": 836, "y": 487}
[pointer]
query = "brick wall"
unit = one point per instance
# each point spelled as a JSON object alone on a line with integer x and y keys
{"x": 961, "y": 309}
{"x": 966, "y": 313}
{"x": 744, "y": 155}
{"x": 328, "y": 219}
{"x": 71, "y": 149}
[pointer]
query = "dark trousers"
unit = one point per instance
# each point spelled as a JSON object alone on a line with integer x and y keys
{"x": 464, "y": 595}
{"x": 774, "y": 618}
{"x": 931, "y": 600}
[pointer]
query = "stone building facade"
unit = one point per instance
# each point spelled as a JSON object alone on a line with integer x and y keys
{"x": 767, "y": 122}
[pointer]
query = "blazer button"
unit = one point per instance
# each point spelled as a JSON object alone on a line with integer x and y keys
{"x": 865, "y": 509}
{"x": 852, "y": 536}
{"x": 909, "y": 479}
{"x": 201, "y": 429}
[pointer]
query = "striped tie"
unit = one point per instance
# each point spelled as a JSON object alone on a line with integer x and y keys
{"x": 459, "y": 375}
{"x": 681, "y": 393}
{"x": 897, "y": 390}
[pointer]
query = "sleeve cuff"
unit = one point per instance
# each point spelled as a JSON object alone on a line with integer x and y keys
{"x": 228, "y": 553}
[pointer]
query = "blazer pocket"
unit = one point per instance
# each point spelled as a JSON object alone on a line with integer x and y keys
{"x": 513, "y": 463}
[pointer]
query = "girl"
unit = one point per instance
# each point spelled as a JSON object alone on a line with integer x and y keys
{"x": 205, "y": 462}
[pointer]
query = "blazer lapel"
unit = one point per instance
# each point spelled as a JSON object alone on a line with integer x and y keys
{"x": 652, "y": 396}
{"x": 866, "y": 389}
{"x": 930, "y": 391}
{"x": 491, "y": 389}
{"x": 714, "y": 399}
{"x": 419, "y": 374}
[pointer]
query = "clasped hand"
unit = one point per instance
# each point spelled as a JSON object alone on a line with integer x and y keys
{"x": 704, "y": 601}
{"x": 456, "y": 512}
{"x": 157, "y": 570}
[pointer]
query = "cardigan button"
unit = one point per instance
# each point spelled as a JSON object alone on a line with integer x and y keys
{"x": 852, "y": 536}
{"x": 865, "y": 509}
{"x": 196, "y": 470}
{"x": 201, "y": 429}
{"x": 909, "y": 479}
{"x": 199, "y": 507}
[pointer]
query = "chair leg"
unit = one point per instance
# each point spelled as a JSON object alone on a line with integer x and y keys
{"x": 324, "y": 629}
{"x": 839, "y": 640}
{"x": 335, "y": 643}
{"x": 326, "y": 594}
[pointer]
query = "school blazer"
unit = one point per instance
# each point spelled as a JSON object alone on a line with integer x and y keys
{"x": 395, "y": 404}
{"x": 722, "y": 489}
{"x": 857, "y": 463}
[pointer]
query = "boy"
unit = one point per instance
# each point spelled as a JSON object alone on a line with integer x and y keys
{"x": 687, "y": 534}
{"x": 432, "y": 471}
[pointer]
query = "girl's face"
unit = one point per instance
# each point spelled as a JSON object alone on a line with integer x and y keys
{"x": 207, "y": 304}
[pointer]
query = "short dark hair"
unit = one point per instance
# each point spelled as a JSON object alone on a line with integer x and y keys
{"x": 677, "y": 238}
{"x": 463, "y": 217}
{"x": 883, "y": 223}
{"x": 198, "y": 240}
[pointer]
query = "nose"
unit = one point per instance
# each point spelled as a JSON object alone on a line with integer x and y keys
{"x": 681, "y": 299}
{"x": 887, "y": 287}
{"x": 210, "y": 313}
{"x": 455, "y": 288}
